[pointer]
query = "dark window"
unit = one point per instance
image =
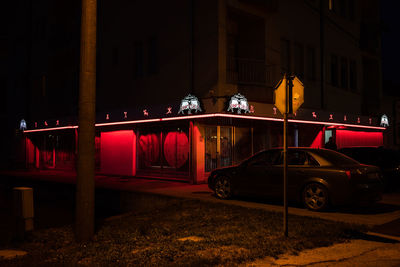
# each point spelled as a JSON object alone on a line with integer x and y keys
{"x": 353, "y": 76}
{"x": 285, "y": 55}
{"x": 264, "y": 158}
{"x": 299, "y": 60}
{"x": 336, "y": 158}
{"x": 351, "y": 9}
{"x": 138, "y": 60}
{"x": 153, "y": 55}
{"x": 342, "y": 8}
{"x": 310, "y": 63}
{"x": 115, "y": 56}
{"x": 334, "y": 70}
{"x": 343, "y": 73}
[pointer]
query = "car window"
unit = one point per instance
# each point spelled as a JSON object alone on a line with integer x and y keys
{"x": 335, "y": 158}
{"x": 295, "y": 157}
{"x": 312, "y": 161}
{"x": 264, "y": 158}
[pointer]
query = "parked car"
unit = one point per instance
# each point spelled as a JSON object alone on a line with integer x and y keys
{"x": 387, "y": 160}
{"x": 316, "y": 177}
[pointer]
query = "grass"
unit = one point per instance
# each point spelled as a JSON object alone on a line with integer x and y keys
{"x": 218, "y": 234}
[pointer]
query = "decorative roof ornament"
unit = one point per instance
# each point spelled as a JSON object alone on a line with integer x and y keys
{"x": 384, "y": 121}
{"x": 189, "y": 103}
{"x": 22, "y": 125}
{"x": 239, "y": 103}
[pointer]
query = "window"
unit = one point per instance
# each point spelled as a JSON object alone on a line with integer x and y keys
{"x": 351, "y": 9}
{"x": 353, "y": 76}
{"x": 343, "y": 73}
{"x": 299, "y": 60}
{"x": 334, "y": 70}
{"x": 310, "y": 63}
{"x": 138, "y": 60}
{"x": 331, "y": 5}
{"x": 285, "y": 55}
{"x": 265, "y": 158}
{"x": 153, "y": 55}
{"x": 115, "y": 56}
{"x": 342, "y": 8}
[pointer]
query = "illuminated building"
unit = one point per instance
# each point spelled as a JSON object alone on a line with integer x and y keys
{"x": 152, "y": 54}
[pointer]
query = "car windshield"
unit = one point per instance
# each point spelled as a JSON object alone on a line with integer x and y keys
{"x": 336, "y": 158}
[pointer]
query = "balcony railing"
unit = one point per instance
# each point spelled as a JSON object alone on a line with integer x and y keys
{"x": 249, "y": 72}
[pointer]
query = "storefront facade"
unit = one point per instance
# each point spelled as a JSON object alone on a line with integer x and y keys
{"x": 188, "y": 145}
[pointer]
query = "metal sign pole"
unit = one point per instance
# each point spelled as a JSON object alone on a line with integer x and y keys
{"x": 285, "y": 148}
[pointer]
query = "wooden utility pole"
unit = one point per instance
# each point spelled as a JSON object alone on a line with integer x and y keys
{"x": 84, "y": 227}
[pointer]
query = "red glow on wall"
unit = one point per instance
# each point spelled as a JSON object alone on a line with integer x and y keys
{"x": 346, "y": 138}
{"x": 118, "y": 152}
{"x": 317, "y": 143}
{"x": 176, "y": 149}
{"x": 149, "y": 149}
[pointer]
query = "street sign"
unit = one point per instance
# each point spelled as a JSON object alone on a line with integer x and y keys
{"x": 297, "y": 94}
{"x": 280, "y": 95}
{"x": 288, "y": 97}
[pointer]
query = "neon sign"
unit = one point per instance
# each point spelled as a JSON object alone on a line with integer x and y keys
{"x": 189, "y": 103}
{"x": 239, "y": 103}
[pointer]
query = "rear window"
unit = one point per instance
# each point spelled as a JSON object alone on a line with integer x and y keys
{"x": 336, "y": 158}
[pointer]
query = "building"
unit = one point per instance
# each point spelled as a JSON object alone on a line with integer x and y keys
{"x": 155, "y": 56}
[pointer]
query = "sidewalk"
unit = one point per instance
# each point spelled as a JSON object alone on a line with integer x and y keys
{"x": 355, "y": 253}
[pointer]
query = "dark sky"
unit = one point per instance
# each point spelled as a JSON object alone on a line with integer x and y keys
{"x": 390, "y": 40}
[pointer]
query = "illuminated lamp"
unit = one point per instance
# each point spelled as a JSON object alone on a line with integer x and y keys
{"x": 22, "y": 125}
{"x": 107, "y": 116}
{"x": 57, "y": 123}
{"x": 330, "y": 117}
{"x": 345, "y": 118}
{"x": 145, "y": 112}
{"x": 125, "y": 115}
{"x": 45, "y": 123}
{"x": 384, "y": 121}
{"x": 189, "y": 104}
{"x": 239, "y": 103}
{"x": 169, "y": 110}
{"x": 358, "y": 120}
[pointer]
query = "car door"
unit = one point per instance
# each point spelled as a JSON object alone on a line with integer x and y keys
{"x": 297, "y": 171}
{"x": 255, "y": 177}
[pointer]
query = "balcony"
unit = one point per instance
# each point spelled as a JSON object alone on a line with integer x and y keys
{"x": 243, "y": 71}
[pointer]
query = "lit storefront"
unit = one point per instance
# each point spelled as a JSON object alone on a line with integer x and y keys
{"x": 185, "y": 142}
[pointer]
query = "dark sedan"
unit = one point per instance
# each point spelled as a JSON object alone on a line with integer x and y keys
{"x": 387, "y": 160}
{"x": 316, "y": 177}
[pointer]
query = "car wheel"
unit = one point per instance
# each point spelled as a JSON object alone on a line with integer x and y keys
{"x": 315, "y": 197}
{"x": 223, "y": 187}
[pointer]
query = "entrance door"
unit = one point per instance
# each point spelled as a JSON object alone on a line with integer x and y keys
{"x": 218, "y": 147}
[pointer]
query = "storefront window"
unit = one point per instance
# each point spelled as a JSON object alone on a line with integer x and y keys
{"x": 164, "y": 151}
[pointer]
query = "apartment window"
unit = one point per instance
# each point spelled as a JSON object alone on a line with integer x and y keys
{"x": 342, "y": 8}
{"x": 285, "y": 55}
{"x": 334, "y": 70}
{"x": 153, "y": 55}
{"x": 351, "y": 4}
{"x": 115, "y": 56}
{"x": 138, "y": 60}
{"x": 331, "y": 5}
{"x": 343, "y": 73}
{"x": 353, "y": 76}
{"x": 310, "y": 63}
{"x": 299, "y": 60}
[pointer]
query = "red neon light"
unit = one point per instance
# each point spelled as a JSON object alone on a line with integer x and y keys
{"x": 216, "y": 115}
{"x": 51, "y": 129}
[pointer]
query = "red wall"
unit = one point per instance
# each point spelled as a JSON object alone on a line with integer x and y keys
{"x": 118, "y": 152}
{"x": 346, "y": 138}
